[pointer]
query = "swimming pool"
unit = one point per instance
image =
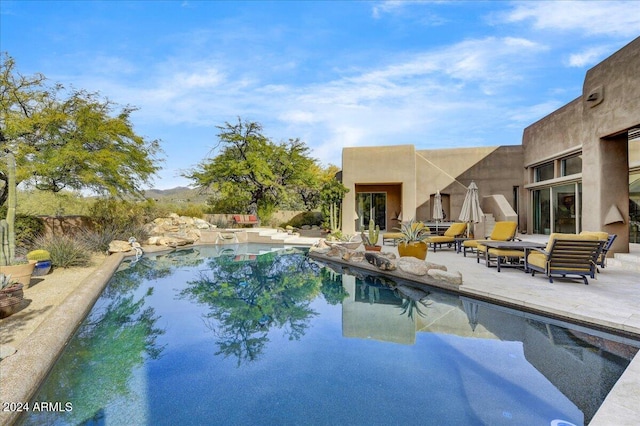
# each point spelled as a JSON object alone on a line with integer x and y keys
{"x": 252, "y": 334}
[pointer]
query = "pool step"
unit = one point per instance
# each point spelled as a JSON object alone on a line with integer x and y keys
{"x": 272, "y": 236}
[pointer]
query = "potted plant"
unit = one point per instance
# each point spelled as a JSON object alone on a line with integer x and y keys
{"x": 412, "y": 243}
{"x": 370, "y": 239}
{"x": 42, "y": 259}
{"x": 21, "y": 272}
{"x": 11, "y": 295}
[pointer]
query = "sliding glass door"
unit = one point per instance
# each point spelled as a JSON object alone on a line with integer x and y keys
{"x": 371, "y": 205}
{"x": 557, "y": 209}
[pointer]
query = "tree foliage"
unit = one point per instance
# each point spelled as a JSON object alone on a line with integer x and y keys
{"x": 252, "y": 174}
{"x": 70, "y": 139}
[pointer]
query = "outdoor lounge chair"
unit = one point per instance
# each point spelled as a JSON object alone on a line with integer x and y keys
{"x": 503, "y": 231}
{"x": 450, "y": 235}
{"x": 608, "y": 238}
{"x": 566, "y": 254}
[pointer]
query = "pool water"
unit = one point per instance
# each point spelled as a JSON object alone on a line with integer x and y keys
{"x": 254, "y": 334}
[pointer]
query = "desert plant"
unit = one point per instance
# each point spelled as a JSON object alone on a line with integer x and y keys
{"x": 65, "y": 250}
{"x": 7, "y": 226}
{"x": 5, "y": 281}
{"x": 371, "y": 237}
{"x": 38, "y": 255}
{"x": 413, "y": 231}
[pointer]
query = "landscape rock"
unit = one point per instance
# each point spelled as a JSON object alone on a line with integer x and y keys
{"x": 380, "y": 261}
{"x": 431, "y": 265}
{"x": 454, "y": 278}
{"x": 178, "y": 227}
{"x": 119, "y": 246}
{"x": 412, "y": 265}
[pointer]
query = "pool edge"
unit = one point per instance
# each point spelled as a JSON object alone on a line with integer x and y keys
{"x": 23, "y": 372}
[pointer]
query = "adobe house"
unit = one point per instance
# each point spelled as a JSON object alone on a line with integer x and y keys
{"x": 581, "y": 160}
{"x": 577, "y": 168}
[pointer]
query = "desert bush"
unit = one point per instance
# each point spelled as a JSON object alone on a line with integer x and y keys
{"x": 28, "y": 228}
{"x": 191, "y": 210}
{"x": 121, "y": 214}
{"x": 97, "y": 240}
{"x": 305, "y": 218}
{"x": 65, "y": 250}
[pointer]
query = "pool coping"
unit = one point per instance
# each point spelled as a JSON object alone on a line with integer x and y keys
{"x": 23, "y": 372}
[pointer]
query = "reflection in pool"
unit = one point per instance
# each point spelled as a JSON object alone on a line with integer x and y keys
{"x": 258, "y": 335}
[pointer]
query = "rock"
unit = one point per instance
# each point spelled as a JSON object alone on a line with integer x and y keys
{"x": 118, "y": 246}
{"x": 388, "y": 255}
{"x": 454, "y": 278}
{"x": 354, "y": 256}
{"x": 201, "y": 224}
{"x": 380, "y": 261}
{"x": 435, "y": 266}
{"x": 412, "y": 265}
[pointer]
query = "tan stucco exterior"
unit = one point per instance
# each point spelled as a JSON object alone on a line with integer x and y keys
{"x": 411, "y": 177}
{"x": 596, "y": 125}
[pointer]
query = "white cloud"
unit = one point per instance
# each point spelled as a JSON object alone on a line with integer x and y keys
{"x": 589, "y": 56}
{"x": 618, "y": 18}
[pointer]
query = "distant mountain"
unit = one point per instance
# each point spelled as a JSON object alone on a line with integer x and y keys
{"x": 179, "y": 193}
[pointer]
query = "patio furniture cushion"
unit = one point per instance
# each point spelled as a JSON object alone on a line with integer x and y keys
{"x": 450, "y": 234}
{"x": 503, "y": 231}
{"x": 566, "y": 254}
{"x": 455, "y": 230}
{"x": 608, "y": 238}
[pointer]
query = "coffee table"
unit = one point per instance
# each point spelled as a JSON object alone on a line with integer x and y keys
{"x": 508, "y": 247}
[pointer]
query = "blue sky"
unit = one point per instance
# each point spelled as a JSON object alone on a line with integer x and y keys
{"x": 434, "y": 74}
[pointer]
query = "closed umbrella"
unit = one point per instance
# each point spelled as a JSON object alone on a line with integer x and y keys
{"x": 471, "y": 211}
{"x": 471, "y": 309}
{"x": 437, "y": 209}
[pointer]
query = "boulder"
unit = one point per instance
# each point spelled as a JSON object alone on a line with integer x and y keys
{"x": 119, "y": 246}
{"x": 454, "y": 278}
{"x": 380, "y": 261}
{"x": 431, "y": 265}
{"x": 412, "y": 265}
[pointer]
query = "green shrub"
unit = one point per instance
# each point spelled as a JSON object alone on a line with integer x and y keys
{"x": 97, "y": 240}
{"x": 305, "y": 218}
{"x": 191, "y": 210}
{"x": 65, "y": 250}
{"x": 28, "y": 228}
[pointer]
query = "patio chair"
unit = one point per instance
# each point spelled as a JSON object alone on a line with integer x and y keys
{"x": 608, "y": 238}
{"x": 503, "y": 231}
{"x": 566, "y": 254}
{"x": 449, "y": 237}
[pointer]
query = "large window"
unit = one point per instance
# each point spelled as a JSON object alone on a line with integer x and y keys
{"x": 371, "y": 205}
{"x": 544, "y": 172}
{"x": 571, "y": 165}
{"x": 557, "y": 209}
{"x": 542, "y": 211}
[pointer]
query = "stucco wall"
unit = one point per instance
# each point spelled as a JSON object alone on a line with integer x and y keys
{"x": 377, "y": 165}
{"x": 417, "y": 175}
{"x": 597, "y": 121}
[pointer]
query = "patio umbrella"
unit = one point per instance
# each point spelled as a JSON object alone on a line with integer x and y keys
{"x": 471, "y": 211}
{"x": 471, "y": 309}
{"x": 437, "y": 209}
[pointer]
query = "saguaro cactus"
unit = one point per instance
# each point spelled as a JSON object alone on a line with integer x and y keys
{"x": 7, "y": 227}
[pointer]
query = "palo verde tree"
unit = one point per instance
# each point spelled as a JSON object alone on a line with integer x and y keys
{"x": 70, "y": 139}
{"x": 252, "y": 174}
